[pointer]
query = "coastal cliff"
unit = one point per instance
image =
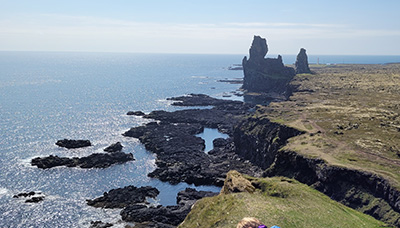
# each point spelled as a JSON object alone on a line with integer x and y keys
{"x": 261, "y": 141}
{"x": 349, "y": 146}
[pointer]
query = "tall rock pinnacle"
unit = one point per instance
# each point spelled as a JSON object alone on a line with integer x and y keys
{"x": 302, "y": 63}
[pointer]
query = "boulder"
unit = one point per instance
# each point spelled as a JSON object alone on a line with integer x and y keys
{"x": 302, "y": 63}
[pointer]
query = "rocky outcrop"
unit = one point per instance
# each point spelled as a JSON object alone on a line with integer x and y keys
{"x": 72, "y": 144}
{"x": 168, "y": 216}
{"x": 302, "y": 63}
{"x": 123, "y": 197}
{"x": 97, "y": 160}
{"x": 235, "y": 182}
{"x": 116, "y": 147}
{"x": 265, "y": 75}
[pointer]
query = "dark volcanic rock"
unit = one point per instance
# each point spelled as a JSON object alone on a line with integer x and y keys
{"x": 99, "y": 224}
{"x": 116, "y": 147}
{"x": 24, "y": 194}
{"x": 32, "y": 197}
{"x": 122, "y": 197}
{"x": 70, "y": 143}
{"x": 223, "y": 116}
{"x": 135, "y": 113}
{"x": 201, "y": 100}
{"x": 97, "y": 160}
{"x": 35, "y": 199}
{"x": 265, "y": 75}
{"x": 180, "y": 154}
{"x": 165, "y": 216}
{"x": 302, "y": 63}
{"x": 52, "y": 161}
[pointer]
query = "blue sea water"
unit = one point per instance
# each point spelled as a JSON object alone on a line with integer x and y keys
{"x": 47, "y": 96}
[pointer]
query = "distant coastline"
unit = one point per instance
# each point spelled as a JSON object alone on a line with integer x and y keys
{"x": 287, "y": 58}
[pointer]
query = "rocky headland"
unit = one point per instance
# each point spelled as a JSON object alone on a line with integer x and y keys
{"x": 348, "y": 149}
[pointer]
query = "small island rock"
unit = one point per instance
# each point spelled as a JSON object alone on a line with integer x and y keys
{"x": 70, "y": 143}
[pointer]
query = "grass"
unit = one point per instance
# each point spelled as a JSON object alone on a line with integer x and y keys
{"x": 352, "y": 115}
{"x": 277, "y": 201}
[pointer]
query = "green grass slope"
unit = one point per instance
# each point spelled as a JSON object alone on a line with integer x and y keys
{"x": 276, "y": 201}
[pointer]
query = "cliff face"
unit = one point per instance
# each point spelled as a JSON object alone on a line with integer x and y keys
{"x": 363, "y": 191}
{"x": 261, "y": 142}
{"x": 258, "y": 140}
{"x": 265, "y": 75}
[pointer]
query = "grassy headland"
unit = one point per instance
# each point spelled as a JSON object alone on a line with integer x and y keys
{"x": 352, "y": 113}
{"x": 276, "y": 201}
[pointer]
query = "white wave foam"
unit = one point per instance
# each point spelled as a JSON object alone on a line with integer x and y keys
{"x": 3, "y": 191}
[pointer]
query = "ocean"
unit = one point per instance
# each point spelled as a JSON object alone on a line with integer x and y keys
{"x": 47, "y": 96}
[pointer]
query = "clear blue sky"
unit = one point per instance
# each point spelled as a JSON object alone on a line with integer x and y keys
{"x": 368, "y": 27}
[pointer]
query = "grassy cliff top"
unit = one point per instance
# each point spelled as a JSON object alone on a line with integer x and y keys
{"x": 276, "y": 201}
{"x": 352, "y": 115}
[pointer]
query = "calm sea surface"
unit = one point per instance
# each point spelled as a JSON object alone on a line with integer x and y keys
{"x": 45, "y": 97}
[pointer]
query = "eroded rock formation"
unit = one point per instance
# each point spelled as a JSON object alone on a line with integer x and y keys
{"x": 302, "y": 63}
{"x": 265, "y": 75}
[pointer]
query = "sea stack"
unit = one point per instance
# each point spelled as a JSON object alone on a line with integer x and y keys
{"x": 265, "y": 75}
{"x": 302, "y": 63}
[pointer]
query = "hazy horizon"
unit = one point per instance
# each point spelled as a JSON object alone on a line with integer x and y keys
{"x": 207, "y": 27}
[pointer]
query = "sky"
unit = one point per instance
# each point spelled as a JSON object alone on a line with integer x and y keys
{"x": 351, "y": 27}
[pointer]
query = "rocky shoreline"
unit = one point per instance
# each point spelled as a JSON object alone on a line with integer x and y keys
{"x": 180, "y": 154}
